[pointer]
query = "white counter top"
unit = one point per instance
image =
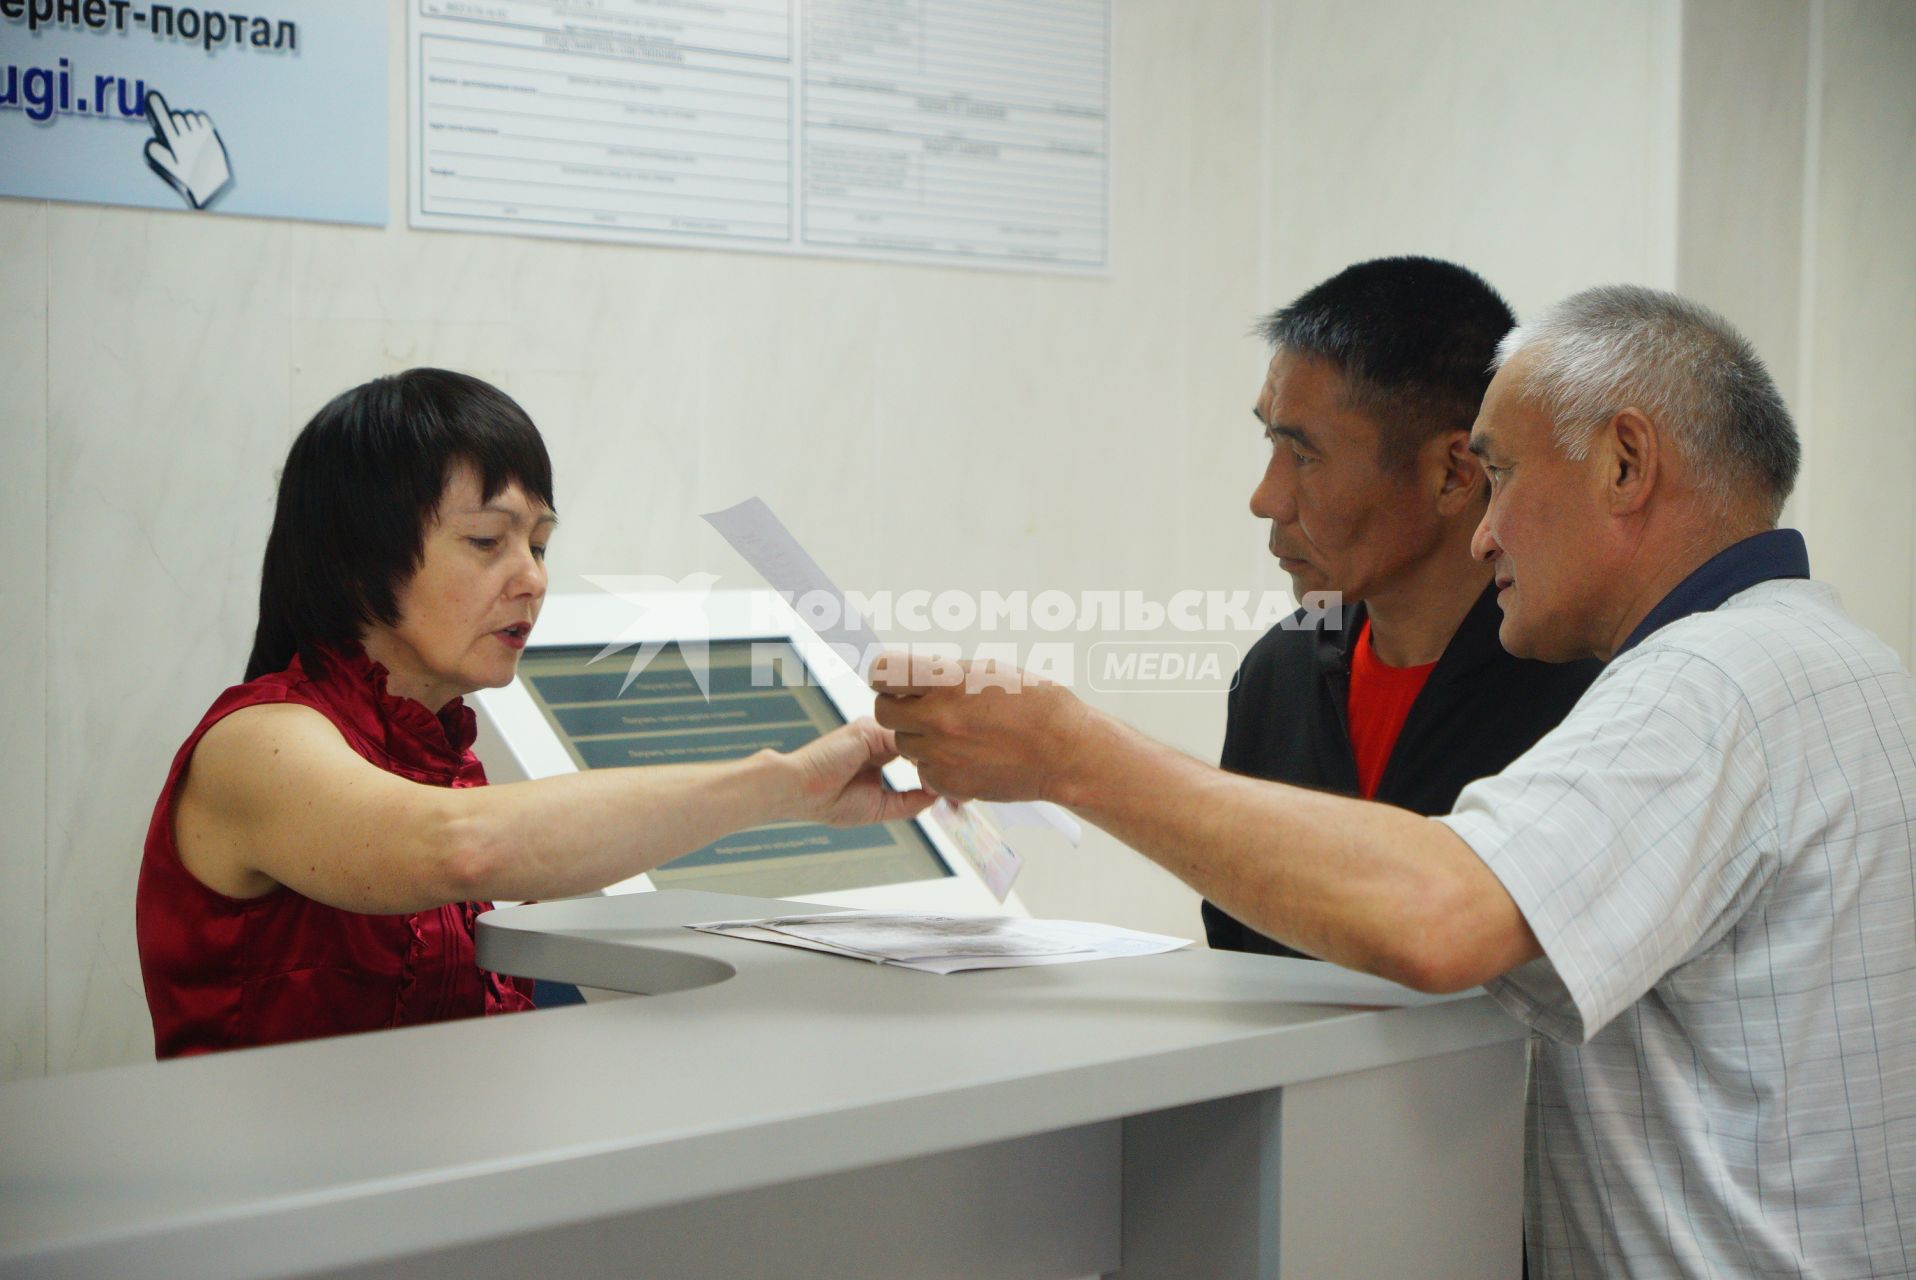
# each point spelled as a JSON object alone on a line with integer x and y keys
{"x": 371, "y": 1147}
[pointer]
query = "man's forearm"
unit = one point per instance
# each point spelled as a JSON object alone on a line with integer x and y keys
{"x": 1365, "y": 885}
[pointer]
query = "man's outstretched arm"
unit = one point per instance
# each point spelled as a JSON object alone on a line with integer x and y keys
{"x": 1365, "y": 885}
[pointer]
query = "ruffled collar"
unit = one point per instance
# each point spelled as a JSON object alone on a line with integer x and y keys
{"x": 446, "y": 736}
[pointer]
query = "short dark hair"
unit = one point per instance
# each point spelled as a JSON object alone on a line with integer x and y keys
{"x": 361, "y": 486}
{"x": 1414, "y": 338}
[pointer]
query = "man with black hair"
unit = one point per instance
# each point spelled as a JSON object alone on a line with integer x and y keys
{"x": 1403, "y": 694}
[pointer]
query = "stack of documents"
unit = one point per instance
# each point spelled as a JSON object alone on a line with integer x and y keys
{"x": 946, "y": 944}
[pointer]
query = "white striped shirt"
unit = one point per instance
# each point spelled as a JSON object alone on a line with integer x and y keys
{"x": 1715, "y": 851}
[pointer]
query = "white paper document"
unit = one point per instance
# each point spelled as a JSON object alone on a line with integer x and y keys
{"x": 947, "y": 944}
{"x": 769, "y": 547}
{"x": 1027, "y": 813}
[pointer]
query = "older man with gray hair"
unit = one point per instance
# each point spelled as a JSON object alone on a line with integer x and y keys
{"x": 1698, "y": 891}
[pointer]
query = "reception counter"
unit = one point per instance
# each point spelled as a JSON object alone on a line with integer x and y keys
{"x": 767, "y": 1111}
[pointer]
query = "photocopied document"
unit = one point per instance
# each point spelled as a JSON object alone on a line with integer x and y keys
{"x": 769, "y": 547}
{"x": 948, "y": 944}
{"x": 971, "y": 829}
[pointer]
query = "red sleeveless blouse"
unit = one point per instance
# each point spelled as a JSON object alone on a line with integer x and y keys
{"x": 227, "y": 973}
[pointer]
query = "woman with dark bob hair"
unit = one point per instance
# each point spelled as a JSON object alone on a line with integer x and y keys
{"x": 325, "y": 839}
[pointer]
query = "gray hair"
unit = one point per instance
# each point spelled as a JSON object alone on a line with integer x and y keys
{"x": 1622, "y": 346}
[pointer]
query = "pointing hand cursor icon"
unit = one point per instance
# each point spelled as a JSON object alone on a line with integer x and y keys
{"x": 186, "y": 150}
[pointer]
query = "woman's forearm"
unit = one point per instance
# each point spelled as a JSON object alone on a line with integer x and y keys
{"x": 562, "y": 836}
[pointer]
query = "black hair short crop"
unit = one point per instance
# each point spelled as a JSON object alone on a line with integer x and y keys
{"x": 361, "y": 486}
{"x": 1413, "y": 338}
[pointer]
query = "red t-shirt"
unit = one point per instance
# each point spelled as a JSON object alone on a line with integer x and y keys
{"x": 225, "y": 973}
{"x": 1380, "y": 701}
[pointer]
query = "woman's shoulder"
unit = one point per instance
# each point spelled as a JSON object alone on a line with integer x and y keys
{"x": 250, "y": 726}
{"x": 291, "y": 687}
{"x": 223, "y": 771}
{"x": 257, "y": 738}
{"x": 265, "y": 719}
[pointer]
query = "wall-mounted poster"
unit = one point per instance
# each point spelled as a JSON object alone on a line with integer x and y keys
{"x": 957, "y": 132}
{"x": 275, "y": 108}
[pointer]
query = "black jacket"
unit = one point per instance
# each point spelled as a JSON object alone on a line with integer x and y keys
{"x": 1480, "y": 709}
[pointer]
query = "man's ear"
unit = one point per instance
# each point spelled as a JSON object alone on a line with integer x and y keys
{"x": 1633, "y": 446}
{"x": 1460, "y": 477}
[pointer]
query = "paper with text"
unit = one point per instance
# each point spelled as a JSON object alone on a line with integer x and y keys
{"x": 757, "y": 534}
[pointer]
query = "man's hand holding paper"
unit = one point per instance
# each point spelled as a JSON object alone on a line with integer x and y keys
{"x": 768, "y": 546}
{"x": 979, "y": 730}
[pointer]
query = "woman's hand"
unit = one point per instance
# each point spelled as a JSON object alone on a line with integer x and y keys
{"x": 839, "y": 782}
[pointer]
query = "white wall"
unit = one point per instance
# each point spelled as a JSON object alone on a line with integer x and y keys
{"x": 1797, "y": 218}
{"x": 921, "y": 427}
{"x": 1532, "y": 142}
{"x": 1858, "y": 354}
{"x": 23, "y": 597}
{"x": 1743, "y": 149}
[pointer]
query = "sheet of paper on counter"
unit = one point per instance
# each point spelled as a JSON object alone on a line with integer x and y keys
{"x": 948, "y": 944}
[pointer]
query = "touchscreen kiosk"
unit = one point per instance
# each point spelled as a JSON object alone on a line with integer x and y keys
{"x": 719, "y": 675}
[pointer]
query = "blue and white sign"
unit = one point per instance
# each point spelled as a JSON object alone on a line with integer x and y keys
{"x": 272, "y": 108}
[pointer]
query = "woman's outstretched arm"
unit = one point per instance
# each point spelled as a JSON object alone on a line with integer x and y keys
{"x": 274, "y": 796}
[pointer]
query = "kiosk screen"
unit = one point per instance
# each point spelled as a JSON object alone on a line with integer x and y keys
{"x": 760, "y": 697}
